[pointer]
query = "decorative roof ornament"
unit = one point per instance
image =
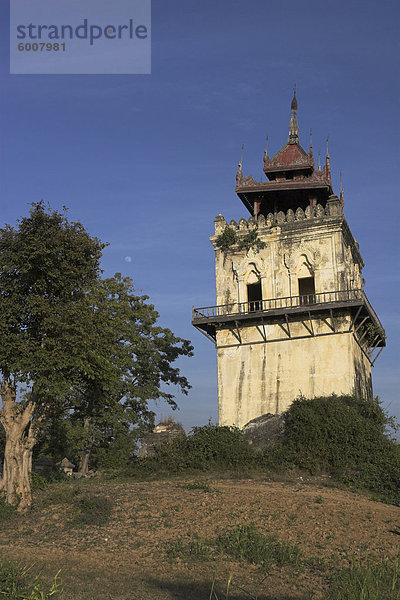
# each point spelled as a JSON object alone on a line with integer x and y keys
{"x": 310, "y": 152}
{"x": 239, "y": 174}
{"x": 341, "y": 194}
{"x": 328, "y": 162}
{"x": 266, "y": 148}
{"x": 319, "y": 160}
{"x": 293, "y": 125}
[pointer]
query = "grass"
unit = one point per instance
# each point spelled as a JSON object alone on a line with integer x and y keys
{"x": 133, "y": 555}
{"x": 241, "y": 542}
{"x": 89, "y": 508}
{"x": 93, "y": 510}
{"x": 198, "y": 484}
{"x": 7, "y": 512}
{"x": 18, "y": 583}
{"x": 245, "y": 542}
{"x": 370, "y": 581}
{"x": 196, "y": 550}
{"x": 60, "y": 495}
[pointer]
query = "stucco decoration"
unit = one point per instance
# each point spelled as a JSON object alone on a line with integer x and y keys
{"x": 309, "y": 212}
{"x": 250, "y": 262}
{"x": 252, "y": 223}
{"x": 299, "y": 214}
{"x": 281, "y": 217}
{"x": 243, "y": 224}
{"x": 290, "y": 216}
{"x": 303, "y": 254}
{"x": 348, "y": 256}
{"x": 261, "y": 221}
{"x": 357, "y": 277}
{"x": 252, "y": 276}
{"x": 220, "y": 224}
{"x": 304, "y": 267}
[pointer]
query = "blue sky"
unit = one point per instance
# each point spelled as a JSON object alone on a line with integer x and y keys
{"x": 146, "y": 162}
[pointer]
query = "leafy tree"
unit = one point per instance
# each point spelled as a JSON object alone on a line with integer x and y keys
{"x": 138, "y": 355}
{"x": 47, "y": 265}
{"x": 69, "y": 340}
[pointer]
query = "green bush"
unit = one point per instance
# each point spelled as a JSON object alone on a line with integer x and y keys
{"x": 343, "y": 436}
{"x": 222, "y": 447}
{"x": 204, "y": 449}
{"x": 198, "y": 484}
{"x": 227, "y": 239}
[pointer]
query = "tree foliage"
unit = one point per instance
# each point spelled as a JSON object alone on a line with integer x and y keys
{"x": 47, "y": 266}
{"x": 72, "y": 344}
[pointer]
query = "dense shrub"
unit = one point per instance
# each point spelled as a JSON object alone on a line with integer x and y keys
{"x": 213, "y": 446}
{"x": 204, "y": 449}
{"x": 343, "y": 436}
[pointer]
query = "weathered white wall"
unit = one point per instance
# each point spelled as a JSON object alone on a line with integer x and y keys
{"x": 258, "y": 378}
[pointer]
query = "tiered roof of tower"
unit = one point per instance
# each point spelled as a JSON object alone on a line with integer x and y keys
{"x": 293, "y": 180}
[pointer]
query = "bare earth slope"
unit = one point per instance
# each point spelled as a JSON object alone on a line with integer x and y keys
{"x": 129, "y": 558}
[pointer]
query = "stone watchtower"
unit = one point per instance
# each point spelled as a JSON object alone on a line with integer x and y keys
{"x": 291, "y": 316}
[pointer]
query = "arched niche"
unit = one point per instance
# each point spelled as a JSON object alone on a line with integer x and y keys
{"x": 253, "y": 289}
{"x": 249, "y": 271}
{"x": 305, "y": 280}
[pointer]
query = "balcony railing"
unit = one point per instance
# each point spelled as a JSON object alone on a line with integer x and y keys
{"x": 273, "y": 304}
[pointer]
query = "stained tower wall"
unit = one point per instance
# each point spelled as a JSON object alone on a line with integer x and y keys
{"x": 265, "y": 368}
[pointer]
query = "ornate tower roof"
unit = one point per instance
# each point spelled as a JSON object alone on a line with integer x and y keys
{"x": 291, "y": 157}
{"x": 292, "y": 178}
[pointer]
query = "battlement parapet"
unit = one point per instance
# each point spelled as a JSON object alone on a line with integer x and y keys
{"x": 332, "y": 209}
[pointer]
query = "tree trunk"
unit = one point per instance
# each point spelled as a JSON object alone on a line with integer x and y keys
{"x": 20, "y": 439}
{"x": 84, "y": 466}
{"x": 17, "y": 485}
{"x": 84, "y": 463}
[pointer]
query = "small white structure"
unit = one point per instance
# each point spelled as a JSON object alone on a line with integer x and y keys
{"x": 66, "y": 466}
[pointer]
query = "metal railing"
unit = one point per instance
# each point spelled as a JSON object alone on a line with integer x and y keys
{"x": 243, "y": 308}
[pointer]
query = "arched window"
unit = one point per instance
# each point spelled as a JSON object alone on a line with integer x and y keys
{"x": 254, "y": 292}
{"x": 306, "y": 283}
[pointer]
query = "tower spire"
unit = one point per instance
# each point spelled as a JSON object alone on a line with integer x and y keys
{"x": 266, "y": 148}
{"x": 310, "y": 152}
{"x": 239, "y": 173}
{"x": 328, "y": 162}
{"x": 341, "y": 194}
{"x": 293, "y": 125}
